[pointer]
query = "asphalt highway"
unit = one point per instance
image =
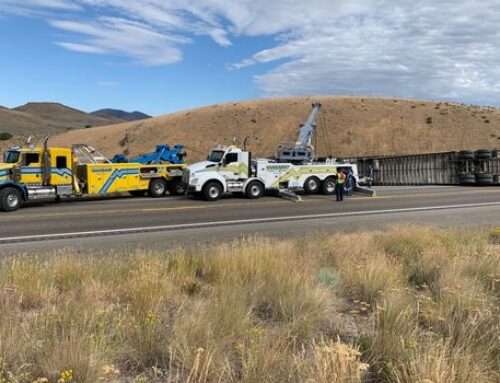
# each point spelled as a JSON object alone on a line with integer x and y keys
{"x": 125, "y": 222}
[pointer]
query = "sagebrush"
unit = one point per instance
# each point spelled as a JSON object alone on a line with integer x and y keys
{"x": 413, "y": 304}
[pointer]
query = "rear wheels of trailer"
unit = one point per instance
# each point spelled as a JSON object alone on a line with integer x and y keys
{"x": 10, "y": 199}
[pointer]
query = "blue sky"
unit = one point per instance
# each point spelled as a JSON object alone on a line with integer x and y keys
{"x": 159, "y": 56}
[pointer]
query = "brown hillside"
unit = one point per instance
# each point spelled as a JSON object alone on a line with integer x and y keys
{"x": 61, "y": 116}
{"x": 348, "y": 126}
{"x": 18, "y": 122}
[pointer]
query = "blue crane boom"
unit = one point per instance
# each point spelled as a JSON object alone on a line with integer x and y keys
{"x": 163, "y": 153}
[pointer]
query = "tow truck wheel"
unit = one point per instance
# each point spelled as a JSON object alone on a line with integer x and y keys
{"x": 328, "y": 186}
{"x": 311, "y": 186}
{"x": 212, "y": 191}
{"x": 254, "y": 190}
{"x": 157, "y": 188}
{"x": 10, "y": 199}
{"x": 177, "y": 187}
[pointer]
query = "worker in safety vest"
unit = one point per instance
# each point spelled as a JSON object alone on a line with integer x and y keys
{"x": 340, "y": 185}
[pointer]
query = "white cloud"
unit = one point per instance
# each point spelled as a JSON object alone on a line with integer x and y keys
{"x": 424, "y": 49}
{"x": 124, "y": 37}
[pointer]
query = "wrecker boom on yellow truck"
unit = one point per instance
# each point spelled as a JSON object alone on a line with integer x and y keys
{"x": 33, "y": 173}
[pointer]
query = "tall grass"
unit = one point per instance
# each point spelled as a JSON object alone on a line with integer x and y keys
{"x": 414, "y": 304}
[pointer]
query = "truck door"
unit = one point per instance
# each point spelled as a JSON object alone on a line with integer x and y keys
{"x": 31, "y": 168}
{"x": 61, "y": 173}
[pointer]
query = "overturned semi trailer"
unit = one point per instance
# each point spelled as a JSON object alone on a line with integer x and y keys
{"x": 466, "y": 167}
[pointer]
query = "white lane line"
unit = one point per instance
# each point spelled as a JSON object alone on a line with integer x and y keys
{"x": 144, "y": 229}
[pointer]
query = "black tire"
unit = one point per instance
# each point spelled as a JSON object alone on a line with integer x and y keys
{"x": 212, "y": 191}
{"x": 254, "y": 190}
{"x": 466, "y": 155}
{"x": 177, "y": 187}
{"x": 10, "y": 199}
{"x": 157, "y": 188}
{"x": 312, "y": 185}
{"x": 467, "y": 179}
{"x": 485, "y": 179}
{"x": 137, "y": 193}
{"x": 483, "y": 154}
{"x": 328, "y": 186}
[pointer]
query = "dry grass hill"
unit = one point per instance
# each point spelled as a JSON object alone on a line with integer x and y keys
{"x": 348, "y": 126}
{"x": 39, "y": 118}
{"x": 57, "y": 115}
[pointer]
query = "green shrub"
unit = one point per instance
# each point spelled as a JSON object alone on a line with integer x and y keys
{"x": 4, "y": 136}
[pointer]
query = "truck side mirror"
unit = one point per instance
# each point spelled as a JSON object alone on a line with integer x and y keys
{"x": 224, "y": 162}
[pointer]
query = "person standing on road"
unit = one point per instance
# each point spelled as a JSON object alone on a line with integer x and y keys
{"x": 348, "y": 184}
{"x": 340, "y": 185}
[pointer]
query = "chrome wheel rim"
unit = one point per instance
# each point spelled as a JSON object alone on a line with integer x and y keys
{"x": 159, "y": 188}
{"x": 313, "y": 185}
{"x": 255, "y": 190}
{"x": 330, "y": 187}
{"x": 12, "y": 200}
{"x": 213, "y": 192}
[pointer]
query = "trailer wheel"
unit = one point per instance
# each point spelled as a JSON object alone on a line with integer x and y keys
{"x": 312, "y": 185}
{"x": 157, "y": 188}
{"x": 328, "y": 186}
{"x": 177, "y": 187}
{"x": 485, "y": 179}
{"x": 137, "y": 193}
{"x": 467, "y": 179}
{"x": 212, "y": 191}
{"x": 254, "y": 190}
{"x": 483, "y": 154}
{"x": 10, "y": 199}
{"x": 466, "y": 155}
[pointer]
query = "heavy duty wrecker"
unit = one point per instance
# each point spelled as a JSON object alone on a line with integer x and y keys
{"x": 230, "y": 169}
{"x": 33, "y": 173}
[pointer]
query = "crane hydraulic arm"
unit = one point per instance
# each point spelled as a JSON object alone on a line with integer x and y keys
{"x": 307, "y": 129}
{"x": 302, "y": 152}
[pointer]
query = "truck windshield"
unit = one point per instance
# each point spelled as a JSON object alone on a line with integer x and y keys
{"x": 11, "y": 157}
{"x": 216, "y": 156}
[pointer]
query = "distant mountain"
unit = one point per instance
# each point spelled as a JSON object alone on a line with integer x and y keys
{"x": 121, "y": 114}
{"x": 61, "y": 116}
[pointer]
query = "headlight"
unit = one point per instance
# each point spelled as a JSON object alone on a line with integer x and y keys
{"x": 193, "y": 181}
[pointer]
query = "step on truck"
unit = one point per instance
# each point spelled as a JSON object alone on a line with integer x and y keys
{"x": 229, "y": 169}
{"x": 31, "y": 173}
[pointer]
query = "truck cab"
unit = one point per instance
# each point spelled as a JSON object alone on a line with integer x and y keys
{"x": 34, "y": 173}
{"x": 227, "y": 169}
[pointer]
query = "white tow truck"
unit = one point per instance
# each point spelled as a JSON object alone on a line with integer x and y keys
{"x": 229, "y": 169}
{"x": 232, "y": 170}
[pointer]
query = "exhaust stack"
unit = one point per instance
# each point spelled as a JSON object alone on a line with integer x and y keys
{"x": 46, "y": 168}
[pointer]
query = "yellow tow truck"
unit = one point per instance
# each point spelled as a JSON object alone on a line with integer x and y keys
{"x": 30, "y": 173}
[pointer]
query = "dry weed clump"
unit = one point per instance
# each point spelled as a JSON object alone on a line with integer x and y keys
{"x": 414, "y": 304}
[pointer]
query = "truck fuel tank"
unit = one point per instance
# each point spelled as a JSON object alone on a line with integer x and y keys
{"x": 42, "y": 192}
